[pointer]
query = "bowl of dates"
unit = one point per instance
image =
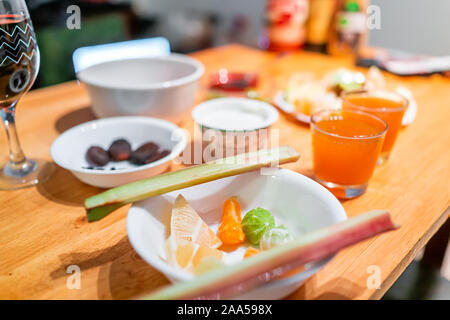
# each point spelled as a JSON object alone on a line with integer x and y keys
{"x": 113, "y": 151}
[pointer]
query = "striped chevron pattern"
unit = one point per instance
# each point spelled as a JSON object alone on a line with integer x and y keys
{"x": 17, "y": 45}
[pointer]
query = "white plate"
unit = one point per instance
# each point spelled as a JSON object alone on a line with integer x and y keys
{"x": 69, "y": 149}
{"x": 298, "y": 202}
{"x": 288, "y": 108}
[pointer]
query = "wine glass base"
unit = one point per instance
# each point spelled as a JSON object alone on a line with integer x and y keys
{"x": 35, "y": 172}
{"x": 343, "y": 191}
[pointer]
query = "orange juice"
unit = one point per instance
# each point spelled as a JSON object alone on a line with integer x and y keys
{"x": 346, "y": 146}
{"x": 388, "y": 106}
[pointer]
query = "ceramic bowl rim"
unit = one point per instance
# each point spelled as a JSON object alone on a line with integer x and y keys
{"x": 198, "y": 72}
{"x": 202, "y": 108}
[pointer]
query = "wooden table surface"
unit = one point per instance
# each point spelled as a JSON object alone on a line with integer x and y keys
{"x": 43, "y": 229}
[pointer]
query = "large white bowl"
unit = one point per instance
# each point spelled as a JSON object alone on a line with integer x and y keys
{"x": 69, "y": 149}
{"x": 298, "y": 202}
{"x": 162, "y": 87}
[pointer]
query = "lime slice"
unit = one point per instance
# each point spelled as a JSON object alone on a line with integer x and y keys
{"x": 275, "y": 237}
{"x": 255, "y": 223}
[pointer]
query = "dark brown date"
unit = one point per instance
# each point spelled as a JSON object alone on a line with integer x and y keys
{"x": 120, "y": 150}
{"x": 158, "y": 156}
{"x": 144, "y": 153}
{"x": 97, "y": 156}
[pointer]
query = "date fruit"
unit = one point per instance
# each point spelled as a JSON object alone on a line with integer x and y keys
{"x": 144, "y": 153}
{"x": 158, "y": 156}
{"x": 120, "y": 150}
{"x": 97, "y": 156}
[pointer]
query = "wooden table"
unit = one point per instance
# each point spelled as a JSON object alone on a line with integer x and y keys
{"x": 43, "y": 229}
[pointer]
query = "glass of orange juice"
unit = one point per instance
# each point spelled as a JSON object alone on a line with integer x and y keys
{"x": 346, "y": 146}
{"x": 389, "y": 106}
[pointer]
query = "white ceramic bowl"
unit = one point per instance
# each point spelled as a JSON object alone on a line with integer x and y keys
{"x": 298, "y": 202}
{"x": 162, "y": 87}
{"x": 69, "y": 149}
{"x": 231, "y": 126}
{"x": 235, "y": 114}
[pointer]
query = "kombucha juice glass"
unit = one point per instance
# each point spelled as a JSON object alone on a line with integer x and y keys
{"x": 389, "y": 106}
{"x": 346, "y": 146}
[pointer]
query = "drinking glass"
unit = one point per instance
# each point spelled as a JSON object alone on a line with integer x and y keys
{"x": 19, "y": 65}
{"x": 346, "y": 146}
{"x": 387, "y": 105}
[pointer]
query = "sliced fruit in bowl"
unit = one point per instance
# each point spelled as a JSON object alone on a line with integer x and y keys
{"x": 188, "y": 255}
{"x": 293, "y": 199}
{"x": 221, "y": 282}
{"x": 191, "y": 239}
{"x": 187, "y": 225}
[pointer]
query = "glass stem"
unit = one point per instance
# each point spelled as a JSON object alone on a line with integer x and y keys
{"x": 17, "y": 158}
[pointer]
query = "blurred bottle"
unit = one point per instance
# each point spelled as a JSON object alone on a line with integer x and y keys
{"x": 318, "y": 24}
{"x": 285, "y": 24}
{"x": 239, "y": 30}
{"x": 349, "y": 27}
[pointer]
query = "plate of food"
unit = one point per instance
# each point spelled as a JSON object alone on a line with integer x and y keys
{"x": 304, "y": 94}
{"x": 223, "y": 222}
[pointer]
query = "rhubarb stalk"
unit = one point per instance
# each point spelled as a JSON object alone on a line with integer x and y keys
{"x": 229, "y": 281}
{"x": 104, "y": 203}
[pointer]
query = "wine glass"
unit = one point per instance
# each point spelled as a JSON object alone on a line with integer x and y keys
{"x": 19, "y": 65}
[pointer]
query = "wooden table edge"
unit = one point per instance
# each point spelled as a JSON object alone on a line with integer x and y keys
{"x": 406, "y": 261}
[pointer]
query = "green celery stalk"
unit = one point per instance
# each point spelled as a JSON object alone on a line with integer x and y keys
{"x": 104, "y": 203}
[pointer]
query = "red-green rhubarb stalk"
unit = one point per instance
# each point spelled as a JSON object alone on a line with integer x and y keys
{"x": 229, "y": 281}
{"x": 104, "y": 203}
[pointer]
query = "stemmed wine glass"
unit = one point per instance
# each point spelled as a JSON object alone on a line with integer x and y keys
{"x": 19, "y": 65}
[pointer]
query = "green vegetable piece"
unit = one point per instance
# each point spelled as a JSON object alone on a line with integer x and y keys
{"x": 255, "y": 223}
{"x": 275, "y": 237}
{"x": 104, "y": 203}
{"x": 354, "y": 86}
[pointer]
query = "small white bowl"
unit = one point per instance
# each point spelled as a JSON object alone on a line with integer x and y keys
{"x": 230, "y": 126}
{"x": 235, "y": 114}
{"x": 162, "y": 87}
{"x": 69, "y": 149}
{"x": 296, "y": 201}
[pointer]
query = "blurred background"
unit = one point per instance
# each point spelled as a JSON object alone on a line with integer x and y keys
{"x": 414, "y": 27}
